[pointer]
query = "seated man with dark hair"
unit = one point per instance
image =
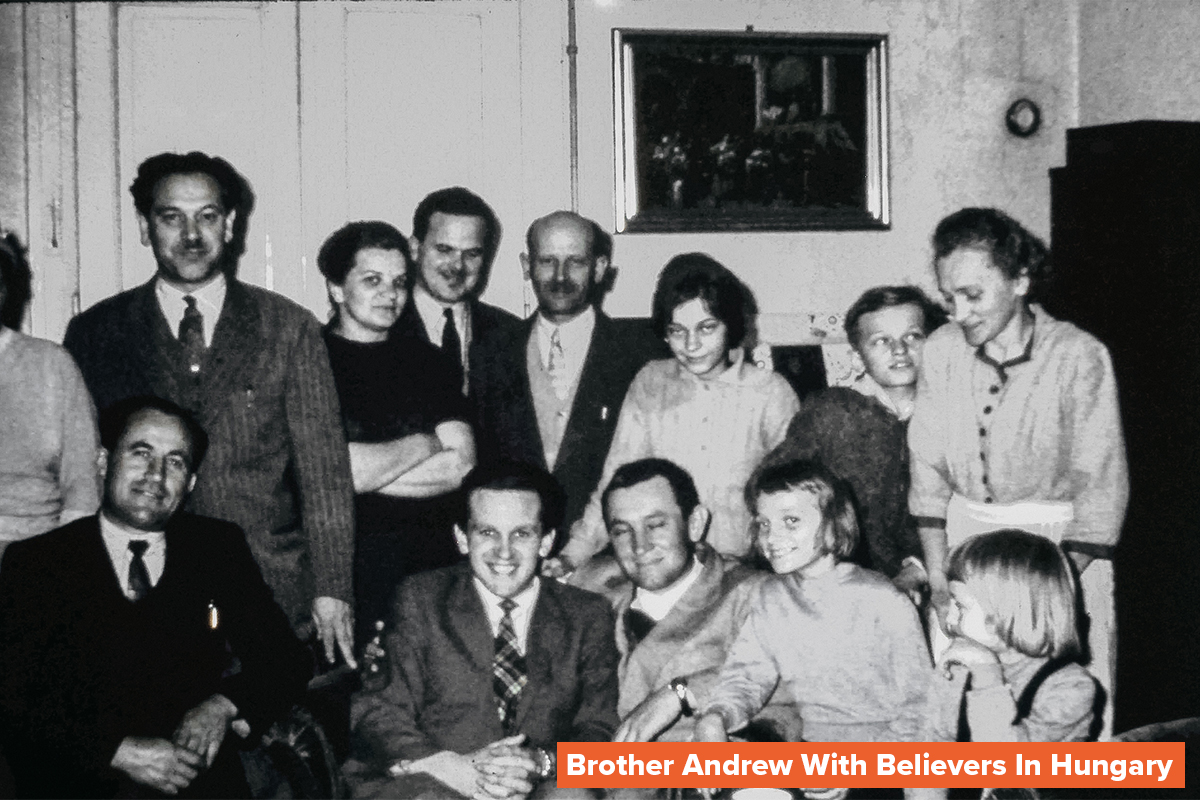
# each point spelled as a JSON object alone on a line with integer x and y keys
{"x": 134, "y": 640}
{"x": 492, "y": 666}
{"x": 680, "y": 604}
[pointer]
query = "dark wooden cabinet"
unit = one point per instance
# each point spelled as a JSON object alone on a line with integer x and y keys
{"x": 1125, "y": 238}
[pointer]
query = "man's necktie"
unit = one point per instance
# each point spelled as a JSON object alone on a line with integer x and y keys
{"x": 508, "y": 669}
{"x": 139, "y": 576}
{"x": 557, "y": 367}
{"x": 638, "y": 625}
{"x": 191, "y": 334}
{"x": 452, "y": 344}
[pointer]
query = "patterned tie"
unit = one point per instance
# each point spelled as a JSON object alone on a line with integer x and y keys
{"x": 452, "y": 345}
{"x": 557, "y": 367}
{"x": 638, "y": 625}
{"x": 139, "y": 576}
{"x": 191, "y": 334}
{"x": 508, "y": 669}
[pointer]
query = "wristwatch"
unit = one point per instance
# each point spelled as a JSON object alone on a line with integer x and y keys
{"x": 545, "y": 764}
{"x": 680, "y": 687}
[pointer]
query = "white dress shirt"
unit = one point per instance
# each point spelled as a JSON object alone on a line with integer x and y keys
{"x": 657, "y": 604}
{"x": 116, "y": 541}
{"x": 210, "y": 299}
{"x": 521, "y": 615}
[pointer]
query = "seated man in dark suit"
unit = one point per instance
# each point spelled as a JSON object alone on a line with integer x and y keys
{"x": 680, "y": 605}
{"x": 492, "y": 665}
{"x": 133, "y": 641}
{"x": 550, "y": 390}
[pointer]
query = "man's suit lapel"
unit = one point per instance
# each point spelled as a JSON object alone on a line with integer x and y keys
{"x": 548, "y": 631}
{"x": 592, "y": 381}
{"x": 526, "y": 410}
{"x": 468, "y": 622}
{"x": 149, "y": 339}
{"x": 235, "y": 343}
{"x": 410, "y": 324}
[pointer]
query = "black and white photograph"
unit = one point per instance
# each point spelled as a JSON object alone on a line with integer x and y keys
{"x": 392, "y": 391}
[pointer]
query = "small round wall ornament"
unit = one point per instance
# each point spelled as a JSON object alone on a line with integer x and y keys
{"x": 1023, "y": 118}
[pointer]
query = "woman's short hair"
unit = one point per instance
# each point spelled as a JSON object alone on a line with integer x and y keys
{"x": 337, "y": 254}
{"x": 881, "y": 297}
{"x": 834, "y": 499}
{"x": 698, "y": 275}
{"x": 1014, "y": 250}
{"x": 1026, "y": 584}
{"x": 16, "y": 282}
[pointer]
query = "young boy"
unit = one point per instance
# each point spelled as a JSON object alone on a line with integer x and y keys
{"x": 860, "y": 432}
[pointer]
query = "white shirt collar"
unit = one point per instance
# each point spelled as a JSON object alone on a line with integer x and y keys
{"x": 658, "y": 604}
{"x": 116, "y": 542}
{"x": 866, "y": 385}
{"x": 575, "y": 336}
{"x": 522, "y": 614}
{"x": 210, "y": 299}
{"x": 432, "y": 313}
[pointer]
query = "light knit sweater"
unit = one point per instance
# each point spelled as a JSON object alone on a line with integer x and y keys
{"x": 48, "y": 440}
{"x": 845, "y": 645}
{"x": 718, "y": 429}
{"x": 1051, "y": 432}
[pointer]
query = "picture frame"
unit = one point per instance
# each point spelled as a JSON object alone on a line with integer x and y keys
{"x": 750, "y": 131}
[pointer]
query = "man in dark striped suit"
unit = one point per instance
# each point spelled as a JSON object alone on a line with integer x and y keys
{"x": 252, "y": 367}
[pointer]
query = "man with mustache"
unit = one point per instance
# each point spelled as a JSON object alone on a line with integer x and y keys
{"x": 454, "y": 239}
{"x": 251, "y": 365}
{"x": 135, "y": 643}
{"x": 550, "y": 391}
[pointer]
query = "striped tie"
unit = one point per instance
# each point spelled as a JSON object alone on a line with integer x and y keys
{"x": 508, "y": 669}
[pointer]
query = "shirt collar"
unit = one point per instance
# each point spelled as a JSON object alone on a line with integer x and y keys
{"x": 524, "y": 599}
{"x": 657, "y": 604}
{"x": 868, "y": 386}
{"x": 432, "y": 312}
{"x": 210, "y": 298}
{"x": 1002, "y": 367}
{"x": 122, "y": 536}
{"x": 574, "y": 335}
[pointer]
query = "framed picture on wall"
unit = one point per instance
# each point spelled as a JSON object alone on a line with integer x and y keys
{"x": 750, "y": 131}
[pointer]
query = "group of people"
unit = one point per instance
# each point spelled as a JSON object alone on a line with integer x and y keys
{"x": 566, "y": 528}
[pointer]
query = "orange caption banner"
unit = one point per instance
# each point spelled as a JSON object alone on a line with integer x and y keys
{"x": 1119, "y": 765}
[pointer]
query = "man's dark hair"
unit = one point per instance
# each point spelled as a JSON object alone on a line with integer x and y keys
{"x": 602, "y": 241}
{"x": 337, "y": 254}
{"x": 645, "y": 469}
{"x": 155, "y": 168}
{"x": 115, "y": 419}
{"x": 516, "y": 476}
{"x": 461, "y": 202}
{"x": 16, "y": 282}
{"x": 698, "y": 275}
{"x": 881, "y": 297}
{"x": 1014, "y": 250}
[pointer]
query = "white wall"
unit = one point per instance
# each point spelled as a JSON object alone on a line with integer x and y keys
{"x": 955, "y": 66}
{"x": 1139, "y": 61}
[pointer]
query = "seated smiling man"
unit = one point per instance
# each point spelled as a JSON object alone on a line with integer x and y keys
{"x": 136, "y": 642}
{"x": 492, "y": 666}
{"x": 680, "y": 605}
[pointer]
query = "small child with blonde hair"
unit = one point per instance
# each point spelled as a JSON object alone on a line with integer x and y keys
{"x": 1012, "y": 670}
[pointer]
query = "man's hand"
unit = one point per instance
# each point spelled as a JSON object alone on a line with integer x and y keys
{"x": 203, "y": 727}
{"x": 507, "y": 770}
{"x": 157, "y": 763}
{"x": 335, "y": 626}
{"x": 651, "y": 717}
